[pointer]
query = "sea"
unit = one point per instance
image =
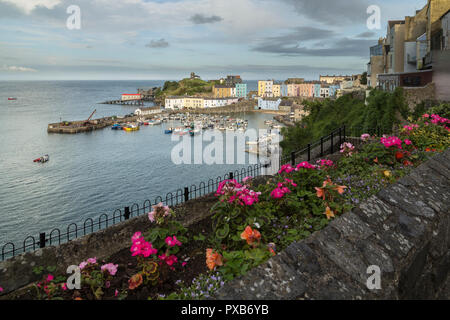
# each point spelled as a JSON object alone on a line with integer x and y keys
{"x": 88, "y": 173}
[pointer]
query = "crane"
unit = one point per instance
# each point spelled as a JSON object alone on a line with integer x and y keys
{"x": 87, "y": 122}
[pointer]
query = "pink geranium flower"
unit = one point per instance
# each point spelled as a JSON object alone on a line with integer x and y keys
{"x": 50, "y": 278}
{"x": 172, "y": 241}
{"x": 111, "y": 268}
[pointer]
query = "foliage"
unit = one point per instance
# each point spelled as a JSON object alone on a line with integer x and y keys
{"x": 383, "y": 109}
{"x": 185, "y": 87}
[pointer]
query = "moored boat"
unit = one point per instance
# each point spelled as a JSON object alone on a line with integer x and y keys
{"x": 131, "y": 127}
{"x": 42, "y": 159}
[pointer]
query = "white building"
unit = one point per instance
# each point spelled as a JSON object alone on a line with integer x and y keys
{"x": 174, "y": 102}
{"x": 219, "y": 102}
{"x": 147, "y": 111}
{"x": 324, "y": 92}
{"x": 131, "y": 97}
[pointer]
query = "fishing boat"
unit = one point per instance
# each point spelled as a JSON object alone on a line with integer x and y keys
{"x": 131, "y": 127}
{"x": 42, "y": 159}
{"x": 11, "y": 98}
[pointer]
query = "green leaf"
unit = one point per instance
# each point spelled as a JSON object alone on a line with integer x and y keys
{"x": 223, "y": 232}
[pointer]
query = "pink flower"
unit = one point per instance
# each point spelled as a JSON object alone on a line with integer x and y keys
{"x": 1, "y": 289}
{"x": 426, "y": 115}
{"x": 151, "y": 216}
{"x": 408, "y": 142}
{"x": 107, "y": 284}
{"x": 83, "y": 264}
{"x": 158, "y": 212}
{"x": 391, "y": 142}
{"x": 64, "y": 287}
{"x": 50, "y": 278}
{"x": 286, "y": 168}
{"x": 305, "y": 165}
{"x": 183, "y": 264}
{"x": 365, "y": 137}
{"x": 136, "y": 236}
{"x": 116, "y": 293}
{"x": 325, "y": 163}
{"x": 92, "y": 260}
{"x": 171, "y": 260}
{"x": 173, "y": 241}
{"x": 111, "y": 268}
{"x": 277, "y": 193}
{"x": 246, "y": 179}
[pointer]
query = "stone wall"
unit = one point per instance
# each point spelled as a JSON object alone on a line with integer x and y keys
{"x": 414, "y": 96}
{"x": 404, "y": 229}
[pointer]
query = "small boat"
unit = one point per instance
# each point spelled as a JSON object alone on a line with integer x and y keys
{"x": 194, "y": 132}
{"x": 42, "y": 159}
{"x": 131, "y": 127}
{"x": 169, "y": 131}
{"x": 154, "y": 122}
{"x": 11, "y": 98}
{"x": 116, "y": 127}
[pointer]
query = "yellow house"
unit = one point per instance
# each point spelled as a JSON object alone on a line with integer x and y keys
{"x": 265, "y": 88}
{"x": 222, "y": 91}
{"x": 193, "y": 102}
{"x": 276, "y": 89}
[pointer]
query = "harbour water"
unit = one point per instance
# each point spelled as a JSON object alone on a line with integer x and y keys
{"x": 90, "y": 173}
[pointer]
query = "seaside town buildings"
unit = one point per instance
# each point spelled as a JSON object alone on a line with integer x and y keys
{"x": 185, "y": 102}
{"x": 414, "y": 53}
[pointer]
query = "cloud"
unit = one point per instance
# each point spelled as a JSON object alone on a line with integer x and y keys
{"x": 329, "y": 48}
{"x": 28, "y": 6}
{"x": 366, "y": 35}
{"x": 161, "y": 43}
{"x": 202, "y": 19}
{"x": 332, "y": 12}
{"x": 17, "y": 69}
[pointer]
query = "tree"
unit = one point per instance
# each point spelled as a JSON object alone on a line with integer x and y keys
{"x": 364, "y": 78}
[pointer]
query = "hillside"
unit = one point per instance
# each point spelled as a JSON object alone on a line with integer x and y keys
{"x": 188, "y": 87}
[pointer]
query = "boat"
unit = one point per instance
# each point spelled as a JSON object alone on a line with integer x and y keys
{"x": 194, "y": 132}
{"x": 42, "y": 159}
{"x": 169, "y": 131}
{"x": 131, "y": 127}
{"x": 154, "y": 122}
{"x": 11, "y": 98}
{"x": 116, "y": 127}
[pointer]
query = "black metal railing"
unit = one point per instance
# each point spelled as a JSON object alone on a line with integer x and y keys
{"x": 328, "y": 145}
{"x": 59, "y": 236}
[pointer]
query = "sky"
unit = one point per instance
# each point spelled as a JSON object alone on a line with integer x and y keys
{"x": 169, "y": 39}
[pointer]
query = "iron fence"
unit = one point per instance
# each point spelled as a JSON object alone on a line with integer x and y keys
{"x": 73, "y": 231}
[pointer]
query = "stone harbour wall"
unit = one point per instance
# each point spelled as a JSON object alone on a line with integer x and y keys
{"x": 404, "y": 230}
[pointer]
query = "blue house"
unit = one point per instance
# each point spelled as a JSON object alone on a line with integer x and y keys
{"x": 241, "y": 90}
{"x": 317, "y": 90}
{"x": 333, "y": 89}
{"x": 284, "y": 90}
